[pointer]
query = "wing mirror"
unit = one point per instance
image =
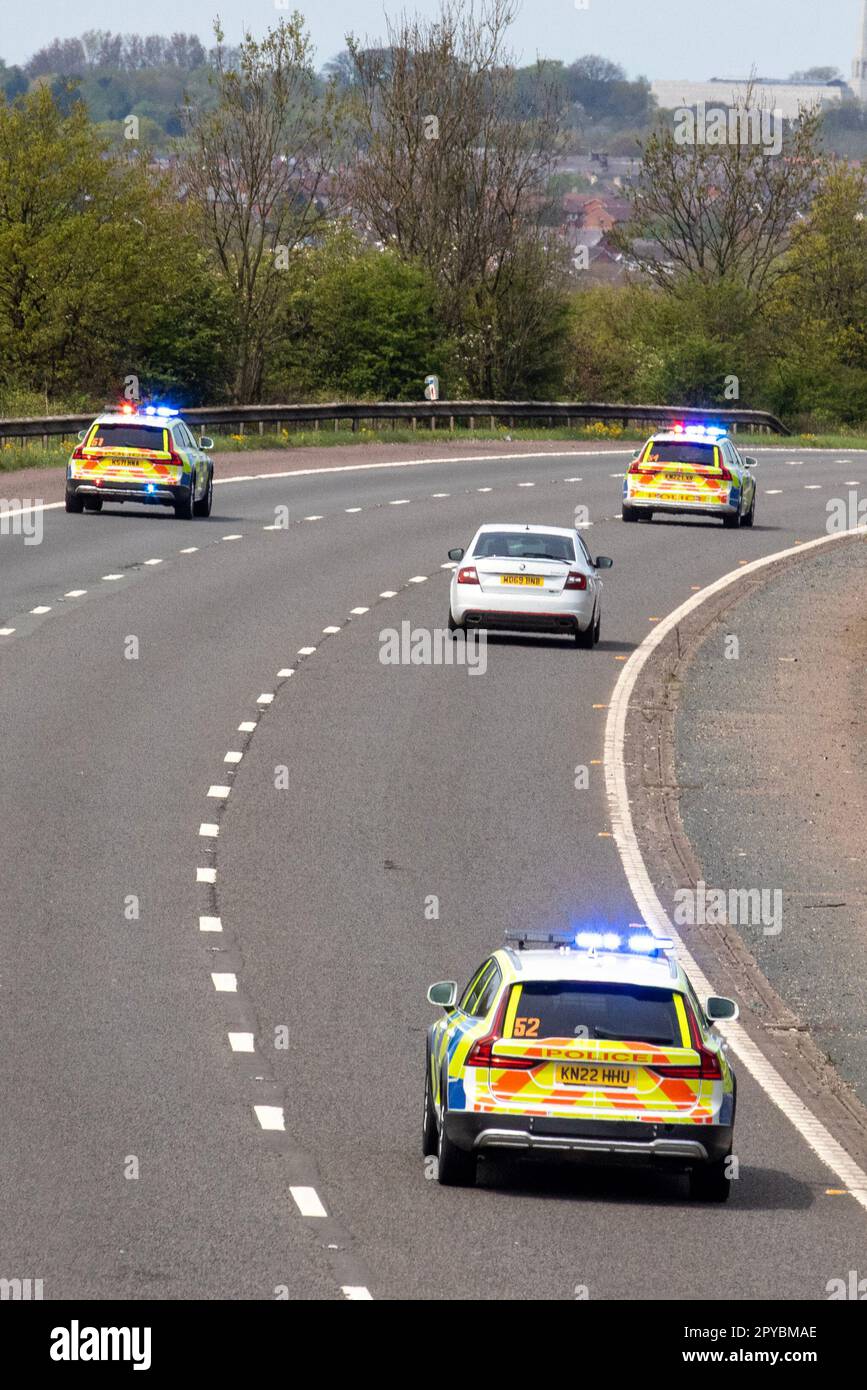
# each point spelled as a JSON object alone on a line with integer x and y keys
{"x": 602, "y": 562}
{"x": 720, "y": 1010}
{"x": 444, "y": 993}
{"x": 750, "y": 462}
{"x": 205, "y": 442}
{"x": 82, "y": 435}
{"x": 456, "y": 554}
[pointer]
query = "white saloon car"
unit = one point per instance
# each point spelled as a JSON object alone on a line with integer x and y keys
{"x": 527, "y": 578}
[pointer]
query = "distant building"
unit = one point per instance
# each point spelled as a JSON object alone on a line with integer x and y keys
{"x": 859, "y": 62}
{"x": 769, "y": 92}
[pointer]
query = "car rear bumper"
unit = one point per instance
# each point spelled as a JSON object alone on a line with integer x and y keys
{"x": 728, "y": 504}
{"x": 626, "y": 1141}
{"x": 566, "y": 612}
{"x": 166, "y": 494}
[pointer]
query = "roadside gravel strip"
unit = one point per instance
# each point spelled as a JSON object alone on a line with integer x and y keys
{"x": 759, "y": 817}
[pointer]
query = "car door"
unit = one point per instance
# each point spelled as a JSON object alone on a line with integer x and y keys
{"x": 450, "y": 1030}
{"x": 738, "y": 470}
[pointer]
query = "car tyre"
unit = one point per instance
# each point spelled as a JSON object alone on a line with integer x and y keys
{"x": 751, "y": 514}
{"x": 93, "y": 504}
{"x": 629, "y": 513}
{"x": 455, "y": 1167}
{"x": 453, "y": 626}
{"x": 710, "y": 1182}
{"x": 732, "y": 520}
{"x": 74, "y": 503}
{"x": 185, "y": 509}
{"x": 203, "y": 508}
{"x": 587, "y": 640}
{"x": 429, "y": 1144}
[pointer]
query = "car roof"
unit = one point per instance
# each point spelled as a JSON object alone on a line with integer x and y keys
{"x": 516, "y": 527}
{"x": 607, "y": 967}
{"x": 117, "y": 417}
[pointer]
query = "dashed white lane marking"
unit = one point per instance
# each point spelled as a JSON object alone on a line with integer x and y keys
{"x": 349, "y": 510}
{"x": 794, "y": 463}
{"x": 438, "y": 495}
{"x": 399, "y": 502}
{"x": 386, "y": 593}
{"x": 812, "y": 487}
{"x": 306, "y": 651}
{"x": 207, "y": 828}
{"x": 526, "y": 485}
{"x": 210, "y": 924}
{"x": 307, "y": 1201}
{"x": 6, "y": 631}
{"x": 74, "y": 593}
{"x": 617, "y": 475}
{"x": 773, "y": 491}
{"x": 357, "y": 612}
{"x": 315, "y": 517}
{"x": 43, "y": 608}
{"x": 852, "y": 482}
{"x": 225, "y": 982}
{"x": 284, "y": 672}
{"x": 246, "y": 726}
{"x": 219, "y": 793}
{"x": 188, "y": 550}
{"x": 153, "y": 562}
{"x": 327, "y": 631}
{"x": 449, "y": 565}
{"x": 275, "y": 526}
{"x": 233, "y": 757}
{"x": 206, "y": 875}
{"x": 356, "y": 1293}
{"x": 270, "y": 1116}
{"x": 419, "y": 579}
{"x": 242, "y": 1042}
{"x": 820, "y": 1140}
{"x": 573, "y": 480}
{"x": 265, "y": 698}
{"x": 235, "y": 536}
{"x": 484, "y": 489}
{"x": 112, "y": 576}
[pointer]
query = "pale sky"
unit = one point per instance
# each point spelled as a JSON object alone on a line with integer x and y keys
{"x": 659, "y": 38}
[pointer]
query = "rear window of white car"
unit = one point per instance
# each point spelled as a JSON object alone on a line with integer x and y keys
{"x": 523, "y": 545}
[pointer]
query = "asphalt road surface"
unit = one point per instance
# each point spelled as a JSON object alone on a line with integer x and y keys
{"x": 382, "y": 828}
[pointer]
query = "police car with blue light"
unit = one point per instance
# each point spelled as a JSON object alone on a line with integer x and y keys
{"x": 691, "y": 468}
{"x": 145, "y": 454}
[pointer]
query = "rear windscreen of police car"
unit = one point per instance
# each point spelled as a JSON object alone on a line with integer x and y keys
{"x": 127, "y": 437}
{"x": 590, "y": 1010}
{"x": 670, "y": 451}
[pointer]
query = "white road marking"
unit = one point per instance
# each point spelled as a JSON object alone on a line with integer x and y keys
{"x": 419, "y": 579}
{"x": 242, "y": 1042}
{"x": 274, "y": 527}
{"x": 205, "y": 875}
{"x": 235, "y": 536}
{"x": 43, "y": 608}
{"x": 306, "y": 651}
{"x": 352, "y": 509}
{"x": 812, "y": 487}
{"x": 188, "y": 550}
{"x": 233, "y": 757}
{"x": 6, "y": 631}
{"x": 526, "y": 485}
{"x": 112, "y": 576}
{"x": 356, "y": 1293}
{"x": 440, "y": 494}
{"x": 573, "y": 480}
{"x": 773, "y": 491}
{"x": 819, "y": 1139}
{"x": 225, "y": 982}
{"x": 357, "y": 612}
{"x": 208, "y": 828}
{"x": 617, "y": 475}
{"x": 386, "y": 593}
{"x": 852, "y": 482}
{"x": 219, "y": 793}
{"x": 153, "y": 562}
{"x": 210, "y": 924}
{"x": 400, "y": 502}
{"x": 449, "y": 565}
{"x": 329, "y": 630}
{"x": 265, "y": 698}
{"x": 313, "y": 518}
{"x": 247, "y": 726}
{"x": 307, "y": 1201}
{"x": 484, "y": 489}
{"x": 286, "y": 671}
{"x": 74, "y": 593}
{"x": 270, "y": 1116}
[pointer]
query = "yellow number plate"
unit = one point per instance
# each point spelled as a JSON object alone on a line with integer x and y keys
{"x": 598, "y": 1075}
{"x": 534, "y": 579}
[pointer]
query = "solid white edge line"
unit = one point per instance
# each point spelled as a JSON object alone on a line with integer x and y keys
{"x": 819, "y": 1139}
{"x": 307, "y": 1201}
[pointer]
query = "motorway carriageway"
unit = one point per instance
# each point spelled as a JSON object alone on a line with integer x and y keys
{"x": 149, "y": 966}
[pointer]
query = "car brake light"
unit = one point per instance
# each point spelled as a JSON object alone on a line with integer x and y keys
{"x": 78, "y": 451}
{"x": 724, "y": 473}
{"x": 468, "y": 575}
{"x": 708, "y": 1069}
{"x": 482, "y": 1054}
{"x": 574, "y": 580}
